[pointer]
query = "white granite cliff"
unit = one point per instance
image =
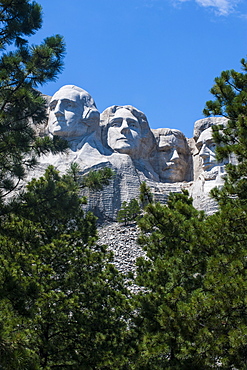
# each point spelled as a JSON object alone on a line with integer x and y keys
{"x": 120, "y": 138}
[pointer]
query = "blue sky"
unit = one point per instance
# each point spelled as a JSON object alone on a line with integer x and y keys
{"x": 160, "y": 56}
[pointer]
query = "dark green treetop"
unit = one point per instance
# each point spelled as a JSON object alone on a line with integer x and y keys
{"x": 23, "y": 69}
{"x": 145, "y": 196}
{"x": 63, "y": 302}
{"x": 191, "y": 313}
{"x": 129, "y": 212}
{"x": 230, "y": 92}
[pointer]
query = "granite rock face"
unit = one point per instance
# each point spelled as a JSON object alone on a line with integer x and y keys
{"x": 120, "y": 138}
{"x": 208, "y": 173}
{"x": 122, "y": 240}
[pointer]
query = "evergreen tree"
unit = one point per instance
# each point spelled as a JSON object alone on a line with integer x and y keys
{"x": 172, "y": 236}
{"x": 129, "y": 212}
{"x": 122, "y": 215}
{"x": 96, "y": 180}
{"x": 145, "y": 196}
{"x": 230, "y": 92}
{"x": 24, "y": 68}
{"x": 62, "y": 303}
{"x": 192, "y": 312}
{"x": 65, "y": 304}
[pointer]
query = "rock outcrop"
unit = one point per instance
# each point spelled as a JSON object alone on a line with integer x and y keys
{"x": 120, "y": 138}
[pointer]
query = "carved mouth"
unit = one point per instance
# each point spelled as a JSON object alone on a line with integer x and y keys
{"x": 173, "y": 165}
{"x": 59, "y": 122}
{"x": 208, "y": 164}
{"x": 122, "y": 138}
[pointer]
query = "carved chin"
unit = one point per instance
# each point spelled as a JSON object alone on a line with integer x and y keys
{"x": 208, "y": 166}
{"x": 61, "y": 128}
{"x": 59, "y": 131}
{"x": 211, "y": 172}
{"x": 173, "y": 174}
{"x": 172, "y": 177}
{"x": 123, "y": 149}
{"x": 210, "y": 175}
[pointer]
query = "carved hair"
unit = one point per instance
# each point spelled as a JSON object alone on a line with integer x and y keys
{"x": 203, "y": 124}
{"x": 168, "y": 131}
{"x": 85, "y": 97}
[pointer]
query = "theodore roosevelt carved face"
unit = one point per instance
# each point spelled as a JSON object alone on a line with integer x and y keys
{"x": 71, "y": 112}
{"x": 173, "y": 154}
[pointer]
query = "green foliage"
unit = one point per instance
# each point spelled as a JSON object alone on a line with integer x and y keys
{"x": 22, "y": 71}
{"x": 145, "y": 196}
{"x": 18, "y": 19}
{"x": 96, "y": 180}
{"x": 230, "y": 92}
{"x": 129, "y": 212}
{"x": 191, "y": 313}
{"x": 65, "y": 303}
{"x": 62, "y": 302}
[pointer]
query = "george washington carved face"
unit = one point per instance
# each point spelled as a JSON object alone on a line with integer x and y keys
{"x": 71, "y": 112}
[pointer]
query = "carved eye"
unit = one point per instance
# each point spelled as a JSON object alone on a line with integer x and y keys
{"x": 199, "y": 146}
{"x": 180, "y": 151}
{"x": 69, "y": 104}
{"x": 115, "y": 123}
{"x": 132, "y": 124}
{"x": 52, "y": 107}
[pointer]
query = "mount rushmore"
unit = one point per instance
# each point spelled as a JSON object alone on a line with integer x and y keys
{"x": 120, "y": 138}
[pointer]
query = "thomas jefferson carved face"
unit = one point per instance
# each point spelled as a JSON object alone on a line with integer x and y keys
{"x": 70, "y": 111}
{"x": 173, "y": 156}
{"x": 124, "y": 132}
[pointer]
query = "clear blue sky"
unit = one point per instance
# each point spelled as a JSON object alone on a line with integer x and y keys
{"x": 160, "y": 56}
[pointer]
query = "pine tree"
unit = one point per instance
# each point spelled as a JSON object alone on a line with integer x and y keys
{"x": 23, "y": 69}
{"x": 172, "y": 236}
{"x": 66, "y": 304}
{"x": 145, "y": 196}
{"x": 129, "y": 212}
{"x": 192, "y": 311}
{"x": 62, "y": 303}
{"x": 230, "y": 92}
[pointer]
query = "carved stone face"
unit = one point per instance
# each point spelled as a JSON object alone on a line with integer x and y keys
{"x": 66, "y": 112}
{"x": 173, "y": 158}
{"x": 124, "y": 132}
{"x": 206, "y": 148}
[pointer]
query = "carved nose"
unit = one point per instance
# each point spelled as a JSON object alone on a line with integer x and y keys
{"x": 204, "y": 151}
{"x": 58, "y": 111}
{"x": 174, "y": 155}
{"x": 124, "y": 126}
